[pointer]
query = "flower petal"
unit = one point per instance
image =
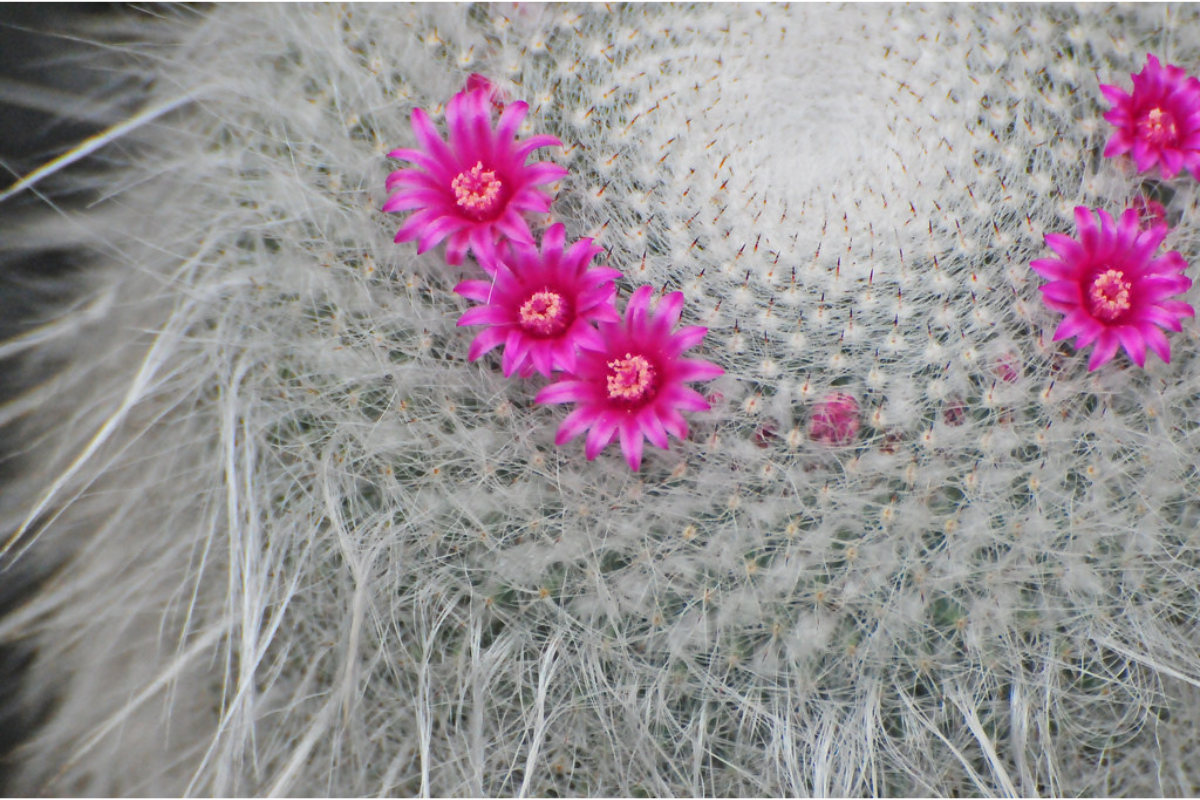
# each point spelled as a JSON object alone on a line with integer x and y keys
{"x": 487, "y": 340}
{"x": 1062, "y": 292}
{"x": 1131, "y": 339}
{"x": 565, "y": 390}
{"x": 694, "y": 369}
{"x": 575, "y": 423}
{"x": 485, "y": 315}
{"x": 1156, "y": 341}
{"x": 686, "y": 338}
{"x": 1106, "y": 348}
{"x": 600, "y": 435}
{"x": 479, "y": 291}
{"x": 631, "y": 444}
{"x": 456, "y": 248}
{"x": 652, "y": 427}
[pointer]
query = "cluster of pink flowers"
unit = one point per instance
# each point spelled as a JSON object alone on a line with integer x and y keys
{"x": 1112, "y": 288}
{"x": 551, "y": 309}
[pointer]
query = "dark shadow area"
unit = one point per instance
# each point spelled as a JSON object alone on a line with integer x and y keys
{"x": 44, "y": 111}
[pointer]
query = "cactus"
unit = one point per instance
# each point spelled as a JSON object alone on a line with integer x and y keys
{"x": 294, "y": 541}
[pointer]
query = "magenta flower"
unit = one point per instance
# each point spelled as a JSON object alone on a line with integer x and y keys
{"x": 1111, "y": 289}
{"x": 541, "y": 307}
{"x": 835, "y": 420}
{"x": 634, "y": 385}
{"x": 1150, "y": 212}
{"x": 496, "y": 96}
{"x": 1159, "y": 122}
{"x": 474, "y": 190}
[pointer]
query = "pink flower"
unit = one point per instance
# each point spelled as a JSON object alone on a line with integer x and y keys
{"x": 1111, "y": 289}
{"x": 496, "y": 96}
{"x": 475, "y": 189}
{"x": 541, "y": 307}
{"x": 1150, "y": 212}
{"x": 634, "y": 385}
{"x": 834, "y": 420}
{"x": 1159, "y": 122}
{"x": 1007, "y": 367}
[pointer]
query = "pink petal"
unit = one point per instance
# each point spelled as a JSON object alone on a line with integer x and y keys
{"x": 1089, "y": 234}
{"x": 429, "y": 139}
{"x": 1169, "y": 262}
{"x": 565, "y": 390}
{"x": 485, "y": 342}
{"x": 456, "y": 248}
{"x": 415, "y": 224}
{"x": 575, "y": 423}
{"x": 483, "y": 245}
{"x": 1052, "y": 268}
{"x": 652, "y": 427}
{"x": 460, "y": 121}
{"x": 514, "y": 227}
{"x": 1062, "y": 292}
{"x": 554, "y": 237}
{"x": 686, "y": 338}
{"x": 485, "y": 315}
{"x": 515, "y": 348}
{"x": 510, "y": 121}
{"x": 1113, "y": 94}
{"x": 693, "y": 369}
{"x": 527, "y": 146}
{"x": 413, "y": 198}
{"x": 583, "y": 251}
{"x": 1127, "y": 230}
{"x": 668, "y": 311}
{"x": 1171, "y": 162}
{"x": 673, "y": 422}
{"x": 585, "y": 337}
{"x": 1066, "y": 247}
{"x": 436, "y": 231}
{"x": 601, "y": 275}
{"x": 1078, "y": 324}
{"x": 1119, "y": 144}
{"x": 539, "y": 353}
{"x": 638, "y": 304}
{"x": 414, "y": 178}
{"x": 544, "y": 172}
{"x": 564, "y": 355}
{"x": 1156, "y": 341}
{"x": 527, "y": 199}
{"x": 425, "y": 161}
{"x": 1143, "y": 157}
{"x": 600, "y": 435}
{"x": 1147, "y": 242}
{"x": 1131, "y": 339}
{"x": 1161, "y": 317}
{"x": 479, "y": 291}
{"x": 1178, "y": 308}
{"x": 686, "y": 398}
{"x": 631, "y": 444}
{"x": 1106, "y": 348}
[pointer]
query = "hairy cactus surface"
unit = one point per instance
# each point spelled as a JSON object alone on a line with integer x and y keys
{"x": 290, "y": 540}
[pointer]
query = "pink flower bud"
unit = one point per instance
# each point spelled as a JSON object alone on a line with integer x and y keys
{"x": 834, "y": 420}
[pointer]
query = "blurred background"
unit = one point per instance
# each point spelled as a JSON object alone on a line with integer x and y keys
{"x": 44, "y": 111}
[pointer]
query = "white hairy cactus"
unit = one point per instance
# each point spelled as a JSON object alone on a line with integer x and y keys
{"x": 301, "y": 545}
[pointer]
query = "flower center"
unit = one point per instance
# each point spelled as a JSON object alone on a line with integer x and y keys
{"x": 631, "y": 378}
{"x": 477, "y": 191}
{"x": 1158, "y": 128}
{"x": 1110, "y": 295}
{"x": 545, "y": 313}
